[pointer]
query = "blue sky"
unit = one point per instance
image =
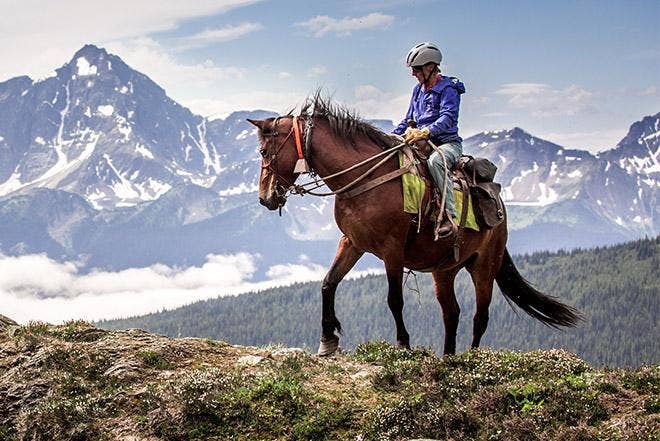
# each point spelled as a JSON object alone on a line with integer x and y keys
{"x": 577, "y": 73}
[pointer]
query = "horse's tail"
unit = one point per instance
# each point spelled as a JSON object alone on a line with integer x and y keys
{"x": 540, "y": 306}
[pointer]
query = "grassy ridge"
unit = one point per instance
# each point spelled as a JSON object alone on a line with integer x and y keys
{"x": 75, "y": 382}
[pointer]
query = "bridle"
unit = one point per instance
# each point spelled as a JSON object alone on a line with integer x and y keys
{"x": 270, "y": 160}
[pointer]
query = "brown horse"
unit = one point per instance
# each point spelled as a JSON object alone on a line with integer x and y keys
{"x": 374, "y": 222}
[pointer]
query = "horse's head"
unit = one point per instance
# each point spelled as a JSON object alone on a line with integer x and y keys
{"x": 278, "y": 160}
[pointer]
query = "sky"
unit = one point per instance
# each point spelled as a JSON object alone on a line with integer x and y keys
{"x": 577, "y": 73}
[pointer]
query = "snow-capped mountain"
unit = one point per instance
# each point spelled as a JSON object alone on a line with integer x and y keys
{"x": 101, "y": 130}
{"x": 99, "y": 166}
{"x": 551, "y": 191}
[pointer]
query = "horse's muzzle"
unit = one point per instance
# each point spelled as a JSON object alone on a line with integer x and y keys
{"x": 270, "y": 203}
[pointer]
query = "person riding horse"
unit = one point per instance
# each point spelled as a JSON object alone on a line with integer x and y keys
{"x": 434, "y": 109}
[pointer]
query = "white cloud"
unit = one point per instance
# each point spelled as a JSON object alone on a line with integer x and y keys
{"x": 214, "y": 36}
{"x": 375, "y": 103}
{"x": 541, "y": 100}
{"x": 317, "y": 71}
{"x": 278, "y": 102}
{"x": 323, "y": 24}
{"x": 593, "y": 141}
{"x": 522, "y": 88}
{"x": 39, "y": 36}
{"x": 284, "y": 75}
{"x": 649, "y": 91}
{"x": 61, "y": 293}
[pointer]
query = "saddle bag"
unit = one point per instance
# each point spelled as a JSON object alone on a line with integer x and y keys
{"x": 480, "y": 173}
{"x": 479, "y": 169}
{"x": 488, "y": 207}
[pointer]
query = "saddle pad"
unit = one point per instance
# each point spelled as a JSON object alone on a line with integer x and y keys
{"x": 413, "y": 196}
{"x": 471, "y": 221}
{"x": 413, "y": 189}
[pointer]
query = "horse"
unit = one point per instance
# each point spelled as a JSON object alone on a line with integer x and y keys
{"x": 339, "y": 148}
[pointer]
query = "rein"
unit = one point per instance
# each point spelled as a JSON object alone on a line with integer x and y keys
{"x": 308, "y": 187}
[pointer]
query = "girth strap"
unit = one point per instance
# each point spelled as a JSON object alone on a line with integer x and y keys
{"x": 373, "y": 183}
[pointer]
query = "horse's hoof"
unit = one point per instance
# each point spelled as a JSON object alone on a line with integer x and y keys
{"x": 327, "y": 346}
{"x": 403, "y": 345}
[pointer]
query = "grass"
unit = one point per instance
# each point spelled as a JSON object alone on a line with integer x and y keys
{"x": 197, "y": 389}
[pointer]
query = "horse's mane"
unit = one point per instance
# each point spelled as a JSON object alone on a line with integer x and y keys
{"x": 343, "y": 122}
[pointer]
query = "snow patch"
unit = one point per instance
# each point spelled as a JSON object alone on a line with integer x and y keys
{"x": 599, "y": 202}
{"x": 39, "y": 140}
{"x": 239, "y": 189}
{"x": 548, "y": 195}
{"x": 502, "y": 159}
{"x": 123, "y": 90}
{"x": 106, "y": 110}
{"x": 84, "y": 68}
{"x": 574, "y": 174}
{"x": 142, "y": 150}
{"x": 12, "y": 184}
{"x": 483, "y": 144}
{"x": 243, "y": 135}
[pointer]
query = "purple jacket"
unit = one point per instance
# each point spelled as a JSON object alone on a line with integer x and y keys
{"x": 436, "y": 109}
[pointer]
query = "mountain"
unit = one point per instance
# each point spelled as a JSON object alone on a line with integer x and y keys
{"x": 615, "y": 288}
{"x": 558, "y": 198}
{"x": 103, "y": 131}
{"x": 99, "y": 166}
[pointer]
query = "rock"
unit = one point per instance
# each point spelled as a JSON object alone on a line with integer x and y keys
{"x": 124, "y": 369}
{"x": 6, "y": 322}
{"x": 250, "y": 360}
{"x": 286, "y": 352}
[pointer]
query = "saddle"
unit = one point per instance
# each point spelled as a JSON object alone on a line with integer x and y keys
{"x": 472, "y": 177}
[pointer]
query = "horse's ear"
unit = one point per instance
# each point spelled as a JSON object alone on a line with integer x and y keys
{"x": 260, "y": 123}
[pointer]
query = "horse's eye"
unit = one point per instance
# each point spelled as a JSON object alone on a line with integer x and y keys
{"x": 263, "y": 152}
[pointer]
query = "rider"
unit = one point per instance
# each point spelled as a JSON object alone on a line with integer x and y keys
{"x": 434, "y": 111}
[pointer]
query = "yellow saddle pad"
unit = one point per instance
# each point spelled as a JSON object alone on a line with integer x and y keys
{"x": 413, "y": 196}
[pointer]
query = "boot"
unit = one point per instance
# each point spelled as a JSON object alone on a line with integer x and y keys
{"x": 446, "y": 228}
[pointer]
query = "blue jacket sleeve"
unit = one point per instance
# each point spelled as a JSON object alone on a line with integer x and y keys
{"x": 403, "y": 125}
{"x": 449, "y": 104}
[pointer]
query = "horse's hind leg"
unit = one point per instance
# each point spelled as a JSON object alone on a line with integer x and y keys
{"x": 444, "y": 292}
{"x": 346, "y": 257}
{"x": 483, "y": 275}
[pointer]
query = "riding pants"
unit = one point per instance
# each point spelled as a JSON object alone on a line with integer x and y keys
{"x": 453, "y": 151}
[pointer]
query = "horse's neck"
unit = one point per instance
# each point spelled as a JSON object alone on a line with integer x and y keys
{"x": 332, "y": 154}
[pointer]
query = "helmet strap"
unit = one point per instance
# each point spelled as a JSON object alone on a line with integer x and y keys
{"x": 435, "y": 71}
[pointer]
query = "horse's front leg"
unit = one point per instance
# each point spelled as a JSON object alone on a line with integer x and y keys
{"x": 346, "y": 257}
{"x": 394, "y": 272}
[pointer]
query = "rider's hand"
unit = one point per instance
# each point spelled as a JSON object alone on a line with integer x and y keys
{"x": 412, "y": 135}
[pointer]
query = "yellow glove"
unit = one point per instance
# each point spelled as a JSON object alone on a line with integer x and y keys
{"x": 411, "y": 135}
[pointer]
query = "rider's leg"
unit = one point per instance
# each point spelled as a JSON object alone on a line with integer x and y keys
{"x": 452, "y": 151}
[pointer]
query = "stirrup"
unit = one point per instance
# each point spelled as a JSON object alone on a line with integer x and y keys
{"x": 448, "y": 233}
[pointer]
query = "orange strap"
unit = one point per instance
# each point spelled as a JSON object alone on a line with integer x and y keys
{"x": 296, "y": 133}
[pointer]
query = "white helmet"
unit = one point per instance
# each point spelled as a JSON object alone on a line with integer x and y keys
{"x": 423, "y": 53}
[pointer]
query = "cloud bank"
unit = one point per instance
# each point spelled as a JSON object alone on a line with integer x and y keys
{"x": 35, "y": 287}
